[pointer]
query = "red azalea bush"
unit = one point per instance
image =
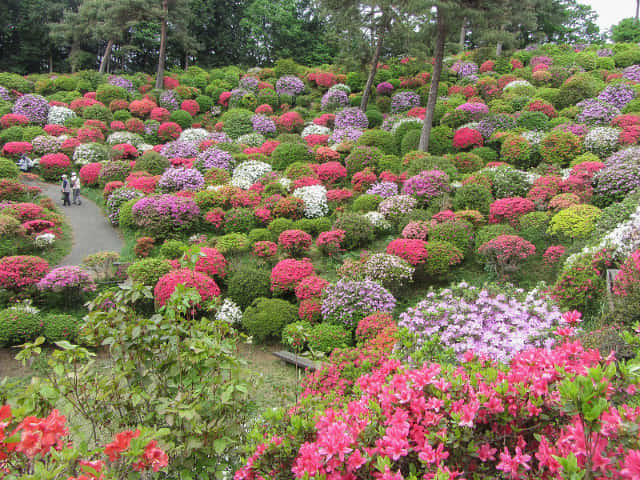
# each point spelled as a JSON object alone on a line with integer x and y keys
{"x": 166, "y": 285}
{"x": 118, "y": 104}
{"x": 56, "y": 130}
{"x": 294, "y": 242}
{"x": 215, "y": 217}
{"x": 287, "y": 274}
{"x": 544, "y": 107}
{"x": 134, "y": 125}
{"x": 544, "y": 189}
{"x": 211, "y": 262}
{"x": 552, "y": 255}
{"x": 326, "y": 120}
{"x": 89, "y": 174}
{"x": 190, "y": 106}
{"x": 53, "y": 165}
{"x": 117, "y": 125}
{"x": 628, "y": 278}
{"x": 125, "y": 151}
{"x": 290, "y": 122}
{"x": 289, "y": 207}
{"x": 142, "y": 181}
{"x": 97, "y": 124}
{"x": 159, "y": 114}
{"x": 412, "y": 250}
{"x": 373, "y": 325}
{"x": 339, "y": 195}
{"x": 509, "y": 209}
{"x": 13, "y": 119}
{"x": 15, "y": 149}
{"x": 141, "y": 108}
{"x": 21, "y": 271}
{"x": 169, "y": 131}
{"x": 331, "y": 172}
{"x": 90, "y": 135}
{"x": 265, "y": 250}
{"x": 362, "y": 180}
{"x": 310, "y": 310}
{"x": 506, "y": 253}
{"x": 311, "y": 287}
{"x": 330, "y": 243}
{"x": 465, "y": 138}
{"x": 487, "y": 66}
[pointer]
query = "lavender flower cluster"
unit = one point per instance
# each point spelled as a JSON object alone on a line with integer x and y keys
{"x": 632, "y": 73}
{"x": 618, "y": 95}
{"x": 179, "y": 149}
{"x": 236, "y": 96}
{"x": 497, "y": 122}
{"x": 340, "y": 135}
{"x": 219, "y": 137}
{"x": 605, "y": 52}
{"x": 162, "y": 214}
{"x": 464, "y": 69}
{"x": 169, "y": 100}
{"x": 249, "y": 84}
{"x": 122, "y": 82}
{"x": 403, "y": 101}
{"x": 485, "y": 321}
{"x": 214, "y": 158}
{"x": 43, "y": 144}
{"x": 116, "y": 199}
{"x": 620, "y": 176}
{"x": 34, "y": 107}
{"x": 578, "y": 129}
{"x": 384, "y": 88}
{"x": 66, "y": 278}
{"x": 176, "y": 179}
{"x": 263, "y": 124}
{"x": 427, "y": 185}
{"x": 384, "y": 189}
{"x": 334, "y": 99}
{"x": 596, "y": 112}
{"x": 396, "y": 206}
{"x": 289, "y": 85}
{"x": 351, "y": 117}
{"x": 347, "y": 302}
{"x": 4, "y": 94}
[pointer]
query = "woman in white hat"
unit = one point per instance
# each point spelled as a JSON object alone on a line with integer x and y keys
{"x": 75, "y": 186}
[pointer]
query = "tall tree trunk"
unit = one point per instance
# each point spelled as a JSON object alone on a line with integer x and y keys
{"x": 163, "y": 45}
{"x": 637, "y": 9}
{"x": 186, "y": 62}
{"x": 463, "y": 33}
{"x": 435, "y": 81}
{"x": 50, "y": 62}
{"x": 374, "y": 66}
{"x": 499, "y": 48}
{"x": 105, "y": 58}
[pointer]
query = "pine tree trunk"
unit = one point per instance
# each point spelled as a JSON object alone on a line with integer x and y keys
{"x": 463, "y": 33}
{"x": 435, "y": 81}
{"x": 105, "y": 58}
{"x": 163, "y": 45}
{"x": 374, "y": 67}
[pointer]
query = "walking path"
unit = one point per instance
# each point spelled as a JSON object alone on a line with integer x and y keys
{"x": 92, "y": 231}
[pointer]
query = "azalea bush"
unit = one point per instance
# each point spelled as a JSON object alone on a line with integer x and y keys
{"x": 506, "y": 253}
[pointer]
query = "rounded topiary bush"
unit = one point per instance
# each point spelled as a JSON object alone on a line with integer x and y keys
{"x": 325, "y": 337}
{"x": 248, "y": 283}
{"x": 286, "y": 154}
{"x": 58, "y": 327}
{"x": 380, "y": 139}
{"x": 362, "y": 157}
{"x": 458, "y": 233}
{"x": 8, "y": 169}
{"x": 19, "y": 325}
{"x": 148, "y": 270}
{"x": 473, "y": 196}
{"x": 237, "y": 122}
{"x": 358, "y": 230}
{"x": 152, "y": 162}
{"x": 575, "y": 223}
{"x": 266, "y": 318}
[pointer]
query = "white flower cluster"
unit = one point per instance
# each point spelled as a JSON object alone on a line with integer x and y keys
{"x": 623, "y": 240}
{"x": 89, "y": 153}
{"x": 44, "y": 240}
{"x": 193, "y": 135}
{"x": 517, "y": 83}
{"x": 59, "y": 115}
{"x": 314, "y": 129}
{"x": 602, "y": 140}
{"x": 285, "y": 183}
{"x": 125, "y": 137}
{"x": 472, "y": 125}
{"x": 229, "y": 312}
{"x": 341, "y": 86}
{"x": 533, "y": 137}
{"x": 25, "y": 306}
{"x": 315, "y": 200}
{"x": 253, "y": 139}
{"x": 143, "y": 147}
{"x": 377, "y": 220}
{"x": 247, "y": 173}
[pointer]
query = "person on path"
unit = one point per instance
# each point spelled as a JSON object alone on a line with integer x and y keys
{"x": 66, "y": 191}
{"x": 75, "y": 187}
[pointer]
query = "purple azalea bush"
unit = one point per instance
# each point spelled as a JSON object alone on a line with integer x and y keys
{"x": 116, "y": 199}
{"x": 122, "y": 82}
{"x": 596, "y": 112}
{"x": 427, "y": 185}
{"x": 351, "y": 117}
{"x": 176, "y": 179}
{"x": 620, "y": 176}
{"x": 161, "y": 215}
{"x": 384, "y": 189}
{"x": 384, "y": 88}
{"x": 34, "y": 107}
{"x": 632, "y": 73}
{"x": 396, "y": 206}
{"x": 403, "y": 101}
{"x": 179, "y": 149}
{"x": 66, "y": 279}
{"x": 169, "y": 100}
{"x": 4, "y": 94}
{"x": 249, "y": 83}
{"x": 494, "y": 122}
{"x": 289, "y": 85}
{"x": 485, "y": 321}
{"x": 263, "y": 124}
{"x": 618, "y": 95}
{"x": 214, "y": 158}
{"x": 348, "y": 134}
{"x": 347, "y": 302}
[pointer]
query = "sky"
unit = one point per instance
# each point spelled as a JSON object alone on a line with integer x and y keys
{"x": 611, "y": 12}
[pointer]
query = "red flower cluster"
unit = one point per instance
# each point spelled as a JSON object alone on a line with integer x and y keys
{"x": 294, "y": 242}
{"x": 165, "y": 287}
{"x": 290, "y": 122}
{"x": 552, "y": 255}
{"x": 412, "y": 250}
{"x": 509, "y": 209}
{"x": 467, "y": 138}
{"x": 190, "y": 106}
{"x": 21, "y": 271}
{"x": 310, "y": 287}
{"x": 287, "y": 274}
{"x": 13, "y": 119}
{"x": 16, "y": 148}
{"x": 330, "y": 243}
{"x": 169, "y": 131}
{"x": 265, "y": 250}
{"x": 211, "y": 263}
{"x": 89, "y": 173}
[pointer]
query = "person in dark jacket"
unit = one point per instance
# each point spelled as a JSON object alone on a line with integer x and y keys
{"x": 66, "y": 191}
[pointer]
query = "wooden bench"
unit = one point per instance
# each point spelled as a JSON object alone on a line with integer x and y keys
{"x": 294, "y": 359}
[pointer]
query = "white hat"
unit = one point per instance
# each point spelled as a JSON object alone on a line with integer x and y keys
{"x": 73, "y": 174}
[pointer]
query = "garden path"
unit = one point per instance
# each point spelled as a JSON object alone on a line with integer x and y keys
{"x": 92, "y": 231}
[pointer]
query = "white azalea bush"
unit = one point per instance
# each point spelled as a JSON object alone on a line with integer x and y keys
{"x": 247, "y": 173}
{"x": 315, "y": 200}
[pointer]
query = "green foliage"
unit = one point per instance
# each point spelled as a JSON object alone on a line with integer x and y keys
{"x": 441, "y": 256}
{"x": 233, "y": 243}
{"x": 362, "y": 157}
{"x": 489, "y": 232}
{"x": 98, "y": 112}
{"x": 279, "y": 225}
{"x": 440, "y": 140}
{"x": 8, "y": 169}
{"x": 533, "y": 228}
{"x": 628, "y": 30}
{"x": 266, "y": 318}
{"x": 287, "y": 153}
{"x": 326, "y": 337}
{"x": 239, "y": 220}
{"x": 375, "y": 117}
{"x": 366, "y": 203}
{"x": 58, "y": 327}
{"x": 148, "y": 270}
{"x": 260, "y": 235}
{"x": 457, "y": 233}
{"x": 107, "y": 93}
{"x": 487, "y": 154}
{"x": 358, "y": 230}
{"x": 580, "y": 87}
{"x": 574, "y": 223}
{"x": 247, "y": 284}
{"x": 182, "y": 118}
{"x": 380, "y": 139}
{"x": 295, "y": 335}
{"x": 237, "y": 121}
{"x": 19, "y": 325}
{"x": 125, "y": 215}
{"x": 410, "y": 141}
{"x": 152, "y": 162}
{"x": 420, "y": 161}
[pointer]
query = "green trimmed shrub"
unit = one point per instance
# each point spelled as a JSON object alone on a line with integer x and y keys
{"x": 458, "y": 233}
{"x": 366, "y": 203}
{"x": 358, "y": 230}
{"x": 362, "y": 157}
{"x": 239, "y": 220}
{"x": 237, "y": 122}
{"x": 410, "y": 141}
{"x": 18, "y": 326}
{"x": 260, "y": 235}
{"x": 148, "y": 270}
{"x": 182, "y": 118}
{"x": 266, "y": 318}
{"x": 58, "y": 327}
{"x": 287, "y": 153}
{"x": 279, "y": 225}
{"x": 574, "y": 223}
{"x": 108, "y": 93}
{"x": 533, "y": 228}
{"x": 172, "y": 249}
{"x": 233, "y": 243}
{"x": 151, "y": 162}
{"x": 489, "y": 232}
{"x": 247, "y": 284}
{"x": 8, "y": 169}
{"x": 440, "y": 140}
{"x": 326, "y": 337}
{"x": 380, "y": 139}
{"x": 441, "y": 257}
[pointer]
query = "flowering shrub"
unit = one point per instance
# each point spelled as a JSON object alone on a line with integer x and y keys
{"x": 398, "y": 205}
{"x": 15, "y": 149}
{"x": 506, "y": 253}
{"x": 22, "y": 271}
{"x": 289, "y": 85}
{"x": 294, "y": 242}
{"x": 331, "y": 172}
{"x": 552, "y": 255}
{"x": 403, "y": 101}
{"x": 509, "y": 209}
{"x": 34, "y": 107}
{"x": 290, "y": 122}
{"x": 265, "y": 250}
{"x": 160, "y": 215}
{"x": 68, "y": 281}
{"x": 166, "y": 285}
{"x": 560, "y": 147}
{"x": 465, "y": 138}
{"x": 176, "y": 179}
{"x": 427, "y": 185}
{"x": 412, "y": 250}
{"x": 350, "y": 118}
{"x": 330, "y": 243}
{"x": 287, "y": 274}
{"x": 620, "y": 176}
{"x": 348, "y": 302}
{"x": 53, "y": 165}
{"x": 311, "y": 287}
{"x": 289, "y": 207}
